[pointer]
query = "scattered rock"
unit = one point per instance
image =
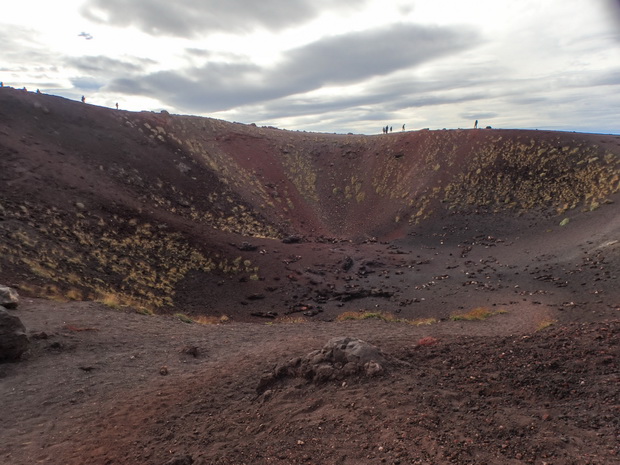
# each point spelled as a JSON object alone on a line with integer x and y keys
{"x": 270, "y": 315}
{"x": 293, "y": 239}
{"x": 190, "y": 350}
{"x": 183, "y": 168}
{"x": 180, "y": 460}
{"x": 341, "y": 357}
{"x": 8, "y": 297}
{"x": 352, "y": 294}
{"x": 163, "y": 370}
{"x": 347, "y": 263}
{"x": 247, "y": 247}
{"x": 13, "y": 339}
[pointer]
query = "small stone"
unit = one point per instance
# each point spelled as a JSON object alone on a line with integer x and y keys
{"x": 8, "y": 297}
{"x": 163, "y": 370}
{"x": 190, "y": 350}
{"x": 373, "y": 368}
{"x": 180, "y": 460}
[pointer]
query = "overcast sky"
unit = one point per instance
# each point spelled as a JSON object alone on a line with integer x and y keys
{"x": 328, "y": 65}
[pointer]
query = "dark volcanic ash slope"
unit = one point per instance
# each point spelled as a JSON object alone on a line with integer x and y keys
{"x": 162, "y": 211}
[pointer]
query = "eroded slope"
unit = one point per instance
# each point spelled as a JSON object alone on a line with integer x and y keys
{"x": 160, "y": 210}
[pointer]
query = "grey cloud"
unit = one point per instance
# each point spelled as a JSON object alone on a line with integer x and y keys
{"x": 337, "y": 60}
{"x": 191, "y": 18}
{"x": 375, "y": 107}
{"x": 198, "y": 52}
{"x": 21, "y": 45}
{"x": 418, "y": 101}
{"x": 478, "y": 115}
{"x": 601, "y": 78}
{"x": 349, "y": 57}
{"x": 24, "y": 56}
{"x": 102, "y": 64}
{"x": 84, "y": 83}
{"x": 524, "y": 100}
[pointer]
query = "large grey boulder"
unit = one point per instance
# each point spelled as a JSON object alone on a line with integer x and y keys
{"x": 8, "y": 297}
{"x": 13, "y": 339}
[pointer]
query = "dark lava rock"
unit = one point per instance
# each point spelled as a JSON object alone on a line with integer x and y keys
{"x": 13, "y": 339}
{"x": 270, "y": 315}
{"x": 347, "y": 263}
{"x": 247, "y": 247}
{"x": 180, "y": 460}
{"x": 292, "y": 239}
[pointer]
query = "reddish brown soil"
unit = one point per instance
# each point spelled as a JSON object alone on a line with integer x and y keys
{"x": 484, "y": 392}
{"x": 95, "y": 203}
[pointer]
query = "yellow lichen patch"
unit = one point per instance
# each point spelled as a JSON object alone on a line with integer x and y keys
{"x": 534, "y": 175}
{"x": 476, "y": 314}
{"x": 127, "y": 263}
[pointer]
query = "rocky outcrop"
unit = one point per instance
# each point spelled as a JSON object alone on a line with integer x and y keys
{"x": 8, "y": 297}
{"x": 13, "y": 339}
{"x": 340, "y": 358}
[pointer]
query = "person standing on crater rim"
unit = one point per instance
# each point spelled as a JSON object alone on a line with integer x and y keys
{"x": 476, "y": 125}
{"x": 83, "y": 99}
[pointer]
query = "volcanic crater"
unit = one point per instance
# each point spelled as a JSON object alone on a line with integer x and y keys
{"x": 122, "y": 230}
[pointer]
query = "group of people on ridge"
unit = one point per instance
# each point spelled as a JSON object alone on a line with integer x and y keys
{"x": 387, "y": 129}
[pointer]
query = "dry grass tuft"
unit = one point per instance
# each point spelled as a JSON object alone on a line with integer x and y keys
{"x": 109, "y": 299}
{"x": 145, "y": 311}
{"x": 184, "y": 318}
{"x": 361, "y": 315}
{"x": 383, "y": 316}
{"x": 211, "y": 320}
{"x": 290, "y": 319}
{"x": 543, "y": 324}
{"x": 422, "y": 321}
{"x": 477, "y": 314}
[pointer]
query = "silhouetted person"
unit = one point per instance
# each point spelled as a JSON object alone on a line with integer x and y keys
{"x": 117, "y": 105}
{"x": 403, "y": 127}
{"x": 1, "y": 84}
{"x": 476, "y": 125}
{"x": 83, "y": 99}
{"x": 390, "y": 128}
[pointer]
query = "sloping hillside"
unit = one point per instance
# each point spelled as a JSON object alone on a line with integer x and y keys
{"x": 166, "y": 211}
